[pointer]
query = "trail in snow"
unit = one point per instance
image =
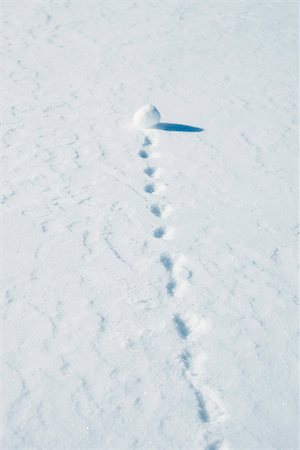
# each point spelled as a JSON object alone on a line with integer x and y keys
{"x": 179, "y": 275}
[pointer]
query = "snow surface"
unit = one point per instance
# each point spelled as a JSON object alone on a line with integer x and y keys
{"x": 150, "y": 278}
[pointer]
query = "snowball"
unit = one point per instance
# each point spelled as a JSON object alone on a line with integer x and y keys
{"x": 146, "y": 117}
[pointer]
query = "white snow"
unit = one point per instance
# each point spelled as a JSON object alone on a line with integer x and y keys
{"x": 114, "y": 338}
{"x": 146, "y": 117}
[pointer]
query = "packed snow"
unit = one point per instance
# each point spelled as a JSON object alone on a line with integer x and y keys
{"x": 149, "y": 272}
{"x": 146, "y": 117}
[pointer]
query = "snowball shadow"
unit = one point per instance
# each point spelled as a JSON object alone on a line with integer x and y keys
{"x": 177, "y": 127}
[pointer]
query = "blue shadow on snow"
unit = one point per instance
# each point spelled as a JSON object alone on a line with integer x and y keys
{"x": 177, "y": 127}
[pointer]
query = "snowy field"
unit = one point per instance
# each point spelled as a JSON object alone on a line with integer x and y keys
{"x": 149, "y": 277}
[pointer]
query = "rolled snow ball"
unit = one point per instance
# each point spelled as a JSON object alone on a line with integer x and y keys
{"x": 146, "y": 117}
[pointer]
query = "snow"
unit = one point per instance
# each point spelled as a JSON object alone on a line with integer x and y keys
{"x": 146, "y": 117}
{"x": 149, "y": 276}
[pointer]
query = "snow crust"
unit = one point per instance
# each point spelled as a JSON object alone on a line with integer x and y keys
{"x": 149, "y": 276}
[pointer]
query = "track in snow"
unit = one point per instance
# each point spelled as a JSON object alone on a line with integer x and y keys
{"x": 179, "y": 276}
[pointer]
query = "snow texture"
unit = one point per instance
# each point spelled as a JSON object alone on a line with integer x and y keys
{"x": 149, "y": 276}
{"x": 146, "y": 117}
